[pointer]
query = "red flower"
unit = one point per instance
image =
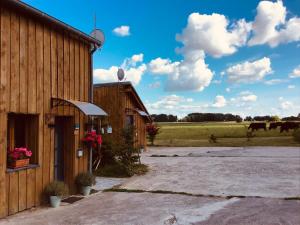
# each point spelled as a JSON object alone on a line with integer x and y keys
{"x": 19, "y": 153}
{"x": 92, "y": 139}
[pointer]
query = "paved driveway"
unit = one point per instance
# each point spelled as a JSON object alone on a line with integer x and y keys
{"x": 219, "y": 185}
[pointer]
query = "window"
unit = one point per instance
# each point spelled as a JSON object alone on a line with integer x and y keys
{"x": 22, "y": 131}
{"x": 129, "y": 121}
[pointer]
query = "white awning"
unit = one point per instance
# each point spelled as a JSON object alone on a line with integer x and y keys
{"x": 87, "y": 108}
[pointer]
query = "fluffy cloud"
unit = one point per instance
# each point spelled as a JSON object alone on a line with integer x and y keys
{"x": 190, "y": 74}
{"x": 133, "y": 60}
{"x": 295, "y": 73}
{"x": 291, "y": 86}
{"x": 271, "y": 26}
{"x": 122, "y": 31}
{"x": 133, "y": 72}
{"x": 275, "y": 81}
{"x": 286, "y": 105}
{"x": 248, "y": 72}
{"x": 220, "y": 101}
{"x": 211, "y": 34}
{"x": 243, "y": 99}
{"x": 162, "y": 66}
{"x": 168, "y": 102}
{"x": 155, "y": 85}
{"x": 176, "y": 105}
{"x": 249, "y": 98}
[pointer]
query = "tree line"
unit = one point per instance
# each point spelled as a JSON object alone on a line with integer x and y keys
{"x": 219, "y": 117}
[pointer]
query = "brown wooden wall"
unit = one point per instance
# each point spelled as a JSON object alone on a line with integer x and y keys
{"x": 38, "y": 62}
{"x": 114, "y": 100}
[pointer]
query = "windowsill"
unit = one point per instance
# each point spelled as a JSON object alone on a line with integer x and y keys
{"x": 30, "y": 166}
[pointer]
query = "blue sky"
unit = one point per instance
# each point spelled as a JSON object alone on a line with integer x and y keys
{"x": 196, "y": 56}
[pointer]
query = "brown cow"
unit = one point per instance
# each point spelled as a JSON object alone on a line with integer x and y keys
{"x": 286, "y": 126}
{"x": 257, "y": 126}
{"x": 274, "y": 125}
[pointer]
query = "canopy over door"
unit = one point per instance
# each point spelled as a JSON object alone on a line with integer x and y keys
{"x": 86, "y": 108}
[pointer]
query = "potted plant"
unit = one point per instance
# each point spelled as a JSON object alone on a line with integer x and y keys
{"x": 55, "y": 191}
{"x": 85, "y": 181}
{"x": 18, "y": 157}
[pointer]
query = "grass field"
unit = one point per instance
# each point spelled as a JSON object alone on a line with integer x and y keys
{"x": 227, "y": 133}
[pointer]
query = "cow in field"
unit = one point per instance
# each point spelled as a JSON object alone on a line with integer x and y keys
{"x": 257, "y": 126}
{"x": 286, "y": 126}
{"x": 274, "y": 125}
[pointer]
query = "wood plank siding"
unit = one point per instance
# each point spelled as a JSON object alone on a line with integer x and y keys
{"x": 120, "y": 100}
{"x": 39, "y": 61}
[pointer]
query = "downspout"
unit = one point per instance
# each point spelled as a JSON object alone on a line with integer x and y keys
{"x": 91, "y": 99}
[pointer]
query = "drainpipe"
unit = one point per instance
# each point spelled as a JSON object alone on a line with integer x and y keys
{"x": 94, "y": 48}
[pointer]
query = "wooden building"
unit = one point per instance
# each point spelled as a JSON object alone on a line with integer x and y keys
{"x": 124, "y": 107}
{"x": 45, "y": 87}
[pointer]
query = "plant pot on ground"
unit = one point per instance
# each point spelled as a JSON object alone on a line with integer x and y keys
{"x": 55, "y": 191}
{"x": 85, "y": 181}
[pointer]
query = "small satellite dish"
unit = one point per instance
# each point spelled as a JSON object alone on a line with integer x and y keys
{"x": 98, "y": 35}
{"x": 120, "y": 74}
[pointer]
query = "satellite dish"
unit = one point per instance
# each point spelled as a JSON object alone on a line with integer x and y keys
{"x": 98, "y": 35}
{"x": 120, "y": 74}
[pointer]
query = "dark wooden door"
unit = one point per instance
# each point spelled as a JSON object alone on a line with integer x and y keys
{"x": 59, "y": 149}
{"x": 63, "y": 148}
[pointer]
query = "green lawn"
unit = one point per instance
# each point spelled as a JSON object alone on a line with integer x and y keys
{"x": 227, "y": 133}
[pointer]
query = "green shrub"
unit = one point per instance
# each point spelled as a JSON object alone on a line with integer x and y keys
{"x": 85, "y": 179}
{"x": 56, "y": 188}
{"x": 296, "y": 135}
{"x": 118, "y": 170}
{"x": 114, "y": 169}
{"x": 212, "y": 139}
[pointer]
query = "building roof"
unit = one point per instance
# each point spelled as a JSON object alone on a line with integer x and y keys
{"x": 27, "y": 9}
{"x": 129, "y": 84}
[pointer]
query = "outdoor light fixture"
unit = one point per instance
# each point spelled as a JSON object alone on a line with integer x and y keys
{"x": 79, "y": 152}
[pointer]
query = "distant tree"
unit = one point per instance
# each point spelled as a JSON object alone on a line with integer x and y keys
{"x": 164, "y": 118}
{"x": 239, "y": 119}
{"x": 291, "y": 118}
{"x": 274, "y": 119}
{"x": 248, "y": 118}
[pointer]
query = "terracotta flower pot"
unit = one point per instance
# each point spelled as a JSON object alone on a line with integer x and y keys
{"x": 18, "y": 163}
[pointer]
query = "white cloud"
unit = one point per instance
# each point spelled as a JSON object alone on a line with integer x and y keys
{"x": 133, "y": 60}
{"x": 155, "y": 85}
{"x": 190, "y": 74}
{"x": 249, "y": 98}
{"x": 227, "y": 89}
{"x": 291, "y": 86}
{"x": 275, "y": 81}
{"x": 249, "y": 72}
{"x": 295, "y": 73}
{"x": 162, "y": 66}
{"x": 219, "y": 102}
{"x": 244, "y": 99}
{"x": 271, "y": 26}
{"x": 122, "y": 31}
{"x": 217, "y": 81}
{"x": 213, "y": 34}
{"x": 174, "y": 104}
{"x": 286, "y": 105}
{"x": 133, "y": 72}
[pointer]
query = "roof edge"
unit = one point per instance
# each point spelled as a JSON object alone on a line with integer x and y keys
{"x": 125, "y": 83}
{"x": 38, "y": 13}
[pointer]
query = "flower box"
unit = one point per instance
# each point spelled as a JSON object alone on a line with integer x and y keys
{"x": 18, "y": 163}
